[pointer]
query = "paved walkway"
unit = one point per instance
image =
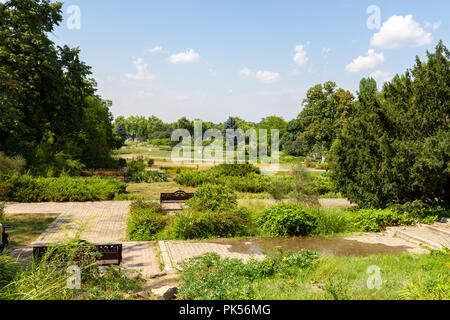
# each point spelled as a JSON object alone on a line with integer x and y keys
{"x": 104, "y": 221}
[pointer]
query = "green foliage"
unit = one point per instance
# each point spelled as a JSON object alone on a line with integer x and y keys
{"x": 241, "y": 177}
{"x": 8, "y": 269}
{"x": 211, "y": 197}
{"x": 47, "y": 279}
{"x": 50, "y": 113}
{"x": 10, "y": 165}
{"x": 2, "y": 212}
{"x": 325, "y": 110}
{"x": 135, "y": 165}
{"x": 396, "y": 147}
{"x": 25, "y": 188}
{"x": 211, "y": 224}
{"x": 287, "y": 219}
{"x": 146, "y": 220}
{"x": 210, "y": 278}
{"x": 280, "y": 188}
{"x": 149, "y": 176}
{"x": 322, "y": 184}
{"x": 303, "y": 192}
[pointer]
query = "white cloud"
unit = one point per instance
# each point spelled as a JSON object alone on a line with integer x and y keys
{"x": 381, "y": 76}
{"x": 142, "y": 71}
{"x": 400, "y": 31}
{"x": 156, "y": 49}
{"x": 246, "y": 73}
{"x": 263, "y": 76}
{"x": 325, "y": 52}
{"x": 433, "y": 26}
{"x": 267, "y": 76}
{"x": 300, "y": 57}
{"x": 185, "y": 57}
{"x": 362, "y": 63}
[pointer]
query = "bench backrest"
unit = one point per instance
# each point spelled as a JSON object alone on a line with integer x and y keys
{"x": 177, "y": 196}
{"x": 108, "y": 252}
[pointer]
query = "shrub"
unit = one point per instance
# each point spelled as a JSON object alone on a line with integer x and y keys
{"x": 322, "y": 184}
{"x": 149, "y": 176}
{"x": 145, "y": 221}
{"x": 209, "y": 277}
{"x": 241, "y": 179}
{"x": 329, "y": 222}
{"x": 303, "y": 191}
{"x": 212, "y": 197}
{"x": 240, "y": 170}
{"x": 2, "y": 212}
{"x": 280, "y": 188}
{"x": 287, "y": 219}
{"x": 25, "y": 188}
{"x": 212, "y": 224}
{"x": 134, "y": 166}
{"x": 374, "y": 220}
{"x": 10, "y": 165}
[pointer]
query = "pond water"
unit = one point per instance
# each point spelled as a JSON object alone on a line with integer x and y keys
{"x": 327, "y": 246}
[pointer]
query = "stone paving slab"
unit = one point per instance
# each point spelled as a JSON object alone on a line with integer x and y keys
{"x": 104, "y": 221}
{"x": 140, "y": 256}
{"x": 178, "y": 251}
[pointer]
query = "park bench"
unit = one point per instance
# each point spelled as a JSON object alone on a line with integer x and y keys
{"x": 110, "y": 253}
{"x": 4, "y": 237}
{"x": 175, "y": 197}
{"x": 178, "y": 196}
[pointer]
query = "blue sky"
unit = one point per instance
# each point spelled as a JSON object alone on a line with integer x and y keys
{"x": 248, "y": 58}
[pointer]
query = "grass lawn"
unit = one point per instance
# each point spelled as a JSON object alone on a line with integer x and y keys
{"x": 27, "y": 227}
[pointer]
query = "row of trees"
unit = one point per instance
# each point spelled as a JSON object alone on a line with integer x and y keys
{"x": 144, "y": 129}
{"x": 50, "y": 113}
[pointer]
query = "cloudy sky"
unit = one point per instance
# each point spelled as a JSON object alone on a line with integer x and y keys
{"x": 247, "y": 58}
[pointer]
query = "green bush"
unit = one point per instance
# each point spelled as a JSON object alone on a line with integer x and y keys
{"x": 241, "y": 177}
{"x": 280, "y": 187}
{"x": 149, "y": 176}
{"x": 212, "y": 224}
{"x": 146, "y": 220}
{"x": 374, "y": 220}
{"x": 135, "y": 165}
{"x": 25, "y": 188}
{"x": 210, "y": 278}
{"x": 303, "y": 191}
{"x": 287, "y": 219}
{"x": 322, "y": 184}
{"x": 211, "y": 197}
{"x": 10, "y": 165}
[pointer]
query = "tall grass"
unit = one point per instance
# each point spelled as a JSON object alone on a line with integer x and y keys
{"x": 47, "y": 278}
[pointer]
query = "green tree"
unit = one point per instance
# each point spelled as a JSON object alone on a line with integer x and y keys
{"x": 396, "y": 147}
{"x": 326, "y": 109}
{"x": 45, "y": 98}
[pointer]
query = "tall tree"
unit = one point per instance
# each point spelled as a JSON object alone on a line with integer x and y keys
{"x": 396, "y": 147}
